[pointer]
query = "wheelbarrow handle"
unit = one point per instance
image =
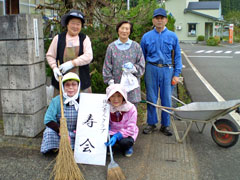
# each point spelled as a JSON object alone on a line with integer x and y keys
{"x": 164, "y": 108}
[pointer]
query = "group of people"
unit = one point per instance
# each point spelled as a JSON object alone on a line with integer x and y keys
{"x": 158, "y": 56}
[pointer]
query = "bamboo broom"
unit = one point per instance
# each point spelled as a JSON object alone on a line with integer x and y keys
{"x": 65, "y": 167}
{"x": 114, "y": 171}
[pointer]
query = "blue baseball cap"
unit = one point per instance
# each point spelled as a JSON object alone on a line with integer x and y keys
{"x": 160, "y": 12}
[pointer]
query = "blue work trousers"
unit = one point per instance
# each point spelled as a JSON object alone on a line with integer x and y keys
{"x": 156, "y": 78}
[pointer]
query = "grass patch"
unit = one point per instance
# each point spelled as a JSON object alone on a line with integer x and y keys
{"x": 1, "y": 121}
{"x": 183, "y": 94}
{"x": 1, "y": 124}
{"x": 142, "y": 109}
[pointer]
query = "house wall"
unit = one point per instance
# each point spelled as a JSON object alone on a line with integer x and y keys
{"x": 176, "y": 12}
{"x": 214, "y": 13}
{"x": 183, "y": 19}
{"x": 200, "y": 27}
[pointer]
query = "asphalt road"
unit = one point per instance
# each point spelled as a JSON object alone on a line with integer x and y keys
{"x": 220, "y": 68}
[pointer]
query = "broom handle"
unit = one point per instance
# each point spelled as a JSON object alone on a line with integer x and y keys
{"x": 60, "y": 92}
{"x": 110, "y": 149}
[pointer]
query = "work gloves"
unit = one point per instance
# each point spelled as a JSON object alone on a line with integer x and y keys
{"x": 116, "y": 137}
{"x": 56, "y": 73}
{"x": 65, "y": 67}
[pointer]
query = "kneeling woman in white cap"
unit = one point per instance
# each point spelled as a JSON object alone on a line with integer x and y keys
{"x": 51, "y": 135}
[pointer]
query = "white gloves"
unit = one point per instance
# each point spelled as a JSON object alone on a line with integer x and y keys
{"x": 66, "y": 66}
{"x": 56, "y": 73}
{"x": 129, "y": 67}
{"x": 111, "y": 82}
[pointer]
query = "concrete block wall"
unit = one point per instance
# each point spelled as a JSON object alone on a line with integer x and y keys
{"x": 22, "y": 77}
{"x": 19, "y": 27}
{"x": 20, "y": 52}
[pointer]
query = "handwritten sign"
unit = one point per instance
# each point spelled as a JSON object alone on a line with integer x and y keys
{"x": 92, "y": 129}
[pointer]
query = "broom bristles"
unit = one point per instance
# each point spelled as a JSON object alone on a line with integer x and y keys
{"x": 115, "y": 173}
{"x": 66, "y": 167}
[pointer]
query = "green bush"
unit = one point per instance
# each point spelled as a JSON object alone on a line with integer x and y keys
{"x": 98, "y": 86}
{"x": 49, "y": 71}
{"x": 212, "y": 41}
{"x": 218, "y": 39}
{"x": 200, "y": 38}
{"x": 225, "y": 38}
{"x": 236, "y": 39}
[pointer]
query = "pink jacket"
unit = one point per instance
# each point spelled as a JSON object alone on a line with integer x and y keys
{"x": 128, "y": 125}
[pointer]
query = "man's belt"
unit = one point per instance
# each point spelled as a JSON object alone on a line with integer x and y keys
{"x": 161, "y": 65}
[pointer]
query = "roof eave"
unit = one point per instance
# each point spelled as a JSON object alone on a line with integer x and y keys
{"x": 201, "y": 14}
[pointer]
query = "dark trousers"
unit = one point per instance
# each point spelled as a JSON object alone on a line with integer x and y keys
{"x": 125, "y": 143}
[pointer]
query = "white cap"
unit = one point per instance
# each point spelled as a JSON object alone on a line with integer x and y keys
{"x": 70, "y": 76}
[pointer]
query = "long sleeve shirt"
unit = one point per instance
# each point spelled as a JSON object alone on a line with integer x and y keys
{"x": 84, "y": 59}
{"x": 157, "y": 48}
{"x": 114, "y": 60}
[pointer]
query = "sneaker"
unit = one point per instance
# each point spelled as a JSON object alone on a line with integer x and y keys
{"x": 166, "y": 131}
{"x": 129, "y": 152}
{"x": 149, "y": 129}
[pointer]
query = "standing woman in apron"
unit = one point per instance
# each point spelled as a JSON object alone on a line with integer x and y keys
{"x": 73, "y": 49}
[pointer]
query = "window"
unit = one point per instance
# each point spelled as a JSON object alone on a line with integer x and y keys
{"x": 27, "y": 7}
{"x": 1, "y": 8}
{"x": 192, "y": 29}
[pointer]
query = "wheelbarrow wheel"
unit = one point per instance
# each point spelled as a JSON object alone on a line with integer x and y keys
{"x": 223, "y": 139}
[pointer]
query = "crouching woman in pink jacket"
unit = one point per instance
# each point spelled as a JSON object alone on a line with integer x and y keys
{"x": 123, "y": 119}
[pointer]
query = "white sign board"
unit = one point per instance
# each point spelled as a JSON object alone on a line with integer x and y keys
{"x": 92, "y": 129}
{"x": 35, "y": 31}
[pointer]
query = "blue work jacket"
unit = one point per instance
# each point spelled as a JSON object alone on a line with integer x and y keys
{"x": 157, "y": 48}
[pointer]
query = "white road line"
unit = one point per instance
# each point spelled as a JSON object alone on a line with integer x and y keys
{"x": 234, "y": 115}
{"x": 200, "y": 51}
{"x": 218, "y": 51}
{"x": 227, "y": 52}
{"x": 212, "y": 56}
{"x": 237, "y": 52}
{"x": 232, "y": 46}
{"x": 210, "y": 51}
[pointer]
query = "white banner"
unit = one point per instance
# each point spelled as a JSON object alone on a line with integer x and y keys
{"x": 92, "y": 129}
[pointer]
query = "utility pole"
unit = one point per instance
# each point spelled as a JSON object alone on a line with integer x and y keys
{"x": 128, "y": 5}
{"x": 162, "y": 2}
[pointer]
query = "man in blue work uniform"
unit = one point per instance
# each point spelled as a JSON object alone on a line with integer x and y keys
{"x": 162, "y": 71}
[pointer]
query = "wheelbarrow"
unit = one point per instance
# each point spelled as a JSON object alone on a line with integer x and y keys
{"x": 224, "y": 132}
